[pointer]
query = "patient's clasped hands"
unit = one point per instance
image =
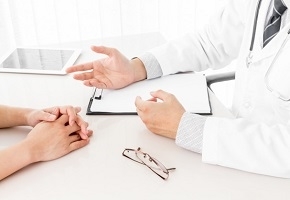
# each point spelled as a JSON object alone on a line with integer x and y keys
{"x": 56, "y": 132}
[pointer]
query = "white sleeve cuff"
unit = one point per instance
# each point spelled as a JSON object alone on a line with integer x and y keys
{"x": 152, "y": 65}
{"x": 190, "y": 132}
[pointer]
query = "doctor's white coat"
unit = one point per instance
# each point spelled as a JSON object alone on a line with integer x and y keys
{"x": 258, "y": 139}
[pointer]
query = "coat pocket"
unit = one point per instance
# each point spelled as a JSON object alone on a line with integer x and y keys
{"x": 277, "y": 78}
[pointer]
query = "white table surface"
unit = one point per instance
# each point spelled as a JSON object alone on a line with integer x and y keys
{"x": 99, "y": 171}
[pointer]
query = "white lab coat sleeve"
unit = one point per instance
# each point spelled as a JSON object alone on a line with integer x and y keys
{"x": 248, "y": 146}
{"x": 214, "y": 47}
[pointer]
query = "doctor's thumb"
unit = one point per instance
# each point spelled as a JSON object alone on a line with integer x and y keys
{"x": 160, "y": 94}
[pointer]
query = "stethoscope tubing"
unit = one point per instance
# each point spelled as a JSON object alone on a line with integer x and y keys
{"x": 249, "y": 58}
{"x": 255, "y": 25}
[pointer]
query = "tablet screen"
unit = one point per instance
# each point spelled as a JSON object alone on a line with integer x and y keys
{"x": 47, "y": 61}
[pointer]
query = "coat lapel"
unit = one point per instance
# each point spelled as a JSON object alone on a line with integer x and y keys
{"x": 274, "y": 45}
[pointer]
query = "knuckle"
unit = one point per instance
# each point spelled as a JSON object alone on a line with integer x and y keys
{"x": 86, "y": 124}
{"x": 159, "y": 91}
{"x": 146, "y": 121}
{"x": 171, "y": 97}
{"x": 69, "y": 107}
{"x": 114, "y": 50}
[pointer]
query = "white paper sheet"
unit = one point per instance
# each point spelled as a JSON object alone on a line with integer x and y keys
{"x": 190, "y": 89}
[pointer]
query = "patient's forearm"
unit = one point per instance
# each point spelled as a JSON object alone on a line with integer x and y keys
{"x": 14, "y": 158}
{"x": 13, "y": 116}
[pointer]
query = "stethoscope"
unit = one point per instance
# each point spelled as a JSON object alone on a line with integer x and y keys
{"x": 250, "y": 55}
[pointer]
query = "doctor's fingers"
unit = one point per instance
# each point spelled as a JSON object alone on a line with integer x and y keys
{"x": 95, "y": 83}
{"x": 104, "y": 50}
{"x": 164, "y": 96}
{"x": 80, "y": 67}
{"x": 148, "y": 110}
{"x": 84, "y": 76}
{"x": 142, "y": 105}
{"x": 148, "y": 117}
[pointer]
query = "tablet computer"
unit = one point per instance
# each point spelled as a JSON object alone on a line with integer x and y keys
{"x": 38, "y": 60}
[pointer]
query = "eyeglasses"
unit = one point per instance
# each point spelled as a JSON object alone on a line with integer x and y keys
{"x": 150, "y": 162}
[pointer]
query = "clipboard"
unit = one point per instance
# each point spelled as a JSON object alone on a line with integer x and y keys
{"x": 189, "y": 88}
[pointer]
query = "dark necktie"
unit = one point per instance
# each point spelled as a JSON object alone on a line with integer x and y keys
{"x": 274, "y": 23}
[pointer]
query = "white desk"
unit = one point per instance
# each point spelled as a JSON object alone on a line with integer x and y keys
{"x": 99, "y": 171}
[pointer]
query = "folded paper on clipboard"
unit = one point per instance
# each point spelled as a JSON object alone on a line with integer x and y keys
{"x": 189, "y": 88}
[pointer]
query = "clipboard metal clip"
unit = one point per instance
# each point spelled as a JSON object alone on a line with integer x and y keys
{"x": 97, "y": 94}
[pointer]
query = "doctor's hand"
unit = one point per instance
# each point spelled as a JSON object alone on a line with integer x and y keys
{"x": 113, "y": 72}
{"x": 163, "y": 117}
{"x": 34, "y": 117}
